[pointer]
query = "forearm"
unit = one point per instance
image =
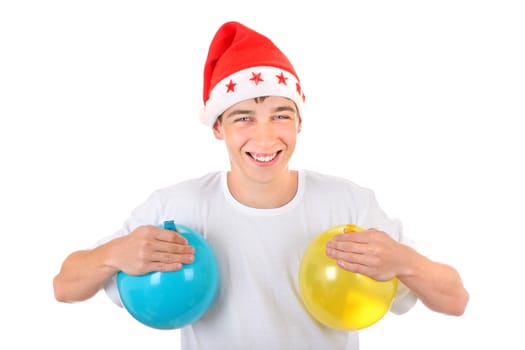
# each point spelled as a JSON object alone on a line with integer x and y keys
{"x": 83, "y": 274}
{"x": 438, "y": 286}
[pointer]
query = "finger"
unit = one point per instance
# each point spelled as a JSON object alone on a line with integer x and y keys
{"x": 357, "y": 237}
{"x": 163, "y": 267}
{"x": 173, "y": 248}
{"x": 170, "y": 258}
{"x": 348, "y": 255}
{"x": 347, "y": 247}
{"x": 170, "y": 236}
{"x": 353, "y": 258}
{"x": 356, "y": 268}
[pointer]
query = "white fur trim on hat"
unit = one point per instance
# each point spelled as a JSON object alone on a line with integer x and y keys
{"x": 250, "y": 83}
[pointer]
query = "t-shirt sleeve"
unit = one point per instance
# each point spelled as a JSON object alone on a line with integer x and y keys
{"x": 375, "y": 217}
{"x": 404, "y": 300}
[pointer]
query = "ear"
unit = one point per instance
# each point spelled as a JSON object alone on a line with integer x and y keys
{"x": 217, "y": 130}
{"x": 299, "y": 125}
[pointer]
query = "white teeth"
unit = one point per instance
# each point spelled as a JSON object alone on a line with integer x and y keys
{"x": 264, "y": 158}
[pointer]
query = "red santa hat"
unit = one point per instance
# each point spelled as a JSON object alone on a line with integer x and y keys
{"x": 243, "y": 64}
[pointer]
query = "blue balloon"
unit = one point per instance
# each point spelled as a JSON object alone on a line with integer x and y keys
{"x": 171, "y": 300}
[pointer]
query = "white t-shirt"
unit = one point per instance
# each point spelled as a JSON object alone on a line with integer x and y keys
{"x": 259, "y": 252}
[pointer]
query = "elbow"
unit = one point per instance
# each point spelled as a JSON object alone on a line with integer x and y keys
{"x": 58, "y": 291}
{"x": 68, "y": 292}
{"x": 456, "y": 305}
{"x": 461, "y": 305}
{"x": 61, "y": 291}
{"x": 452, "y": 305}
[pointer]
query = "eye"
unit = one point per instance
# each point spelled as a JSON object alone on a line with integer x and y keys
{"x": 282, "y": 116}
{"x": 243, "y": 119}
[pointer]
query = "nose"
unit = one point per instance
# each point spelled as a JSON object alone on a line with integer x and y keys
{"x": 264, "y": 133}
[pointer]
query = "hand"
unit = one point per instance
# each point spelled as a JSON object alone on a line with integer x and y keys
{"x": 372, "y": 252}
{"x": 150, "y": 248}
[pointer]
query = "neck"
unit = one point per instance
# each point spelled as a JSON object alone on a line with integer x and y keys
{"x": 264, "y": 195}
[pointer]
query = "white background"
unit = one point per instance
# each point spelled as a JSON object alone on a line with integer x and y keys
{"x": 421, "y": 101}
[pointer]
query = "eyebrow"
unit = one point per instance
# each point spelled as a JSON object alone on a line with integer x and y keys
{"x": 250, "y": 111}
{"x": 237, "y": 112}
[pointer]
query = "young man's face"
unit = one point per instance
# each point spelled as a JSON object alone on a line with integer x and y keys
{"x": 260, "y": 137}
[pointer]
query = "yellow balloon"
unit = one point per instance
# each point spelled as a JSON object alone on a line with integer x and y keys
{"x": 338, "y": 298}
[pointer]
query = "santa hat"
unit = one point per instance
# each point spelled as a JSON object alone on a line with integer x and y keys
{"x": 244, "y": 64}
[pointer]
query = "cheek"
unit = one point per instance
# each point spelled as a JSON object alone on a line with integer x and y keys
{"x": 290, "y": 136}
{"x": 235, "y": 139}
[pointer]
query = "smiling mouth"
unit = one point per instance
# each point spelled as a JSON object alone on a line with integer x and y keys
{"x": 264, "y": 158}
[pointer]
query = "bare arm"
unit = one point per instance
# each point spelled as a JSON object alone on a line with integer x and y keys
{"x": 437, "y": 285}
{"x": 148, "y": 248}
{"x": 82, "y": 275}
{"x": 376, "y": 254}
